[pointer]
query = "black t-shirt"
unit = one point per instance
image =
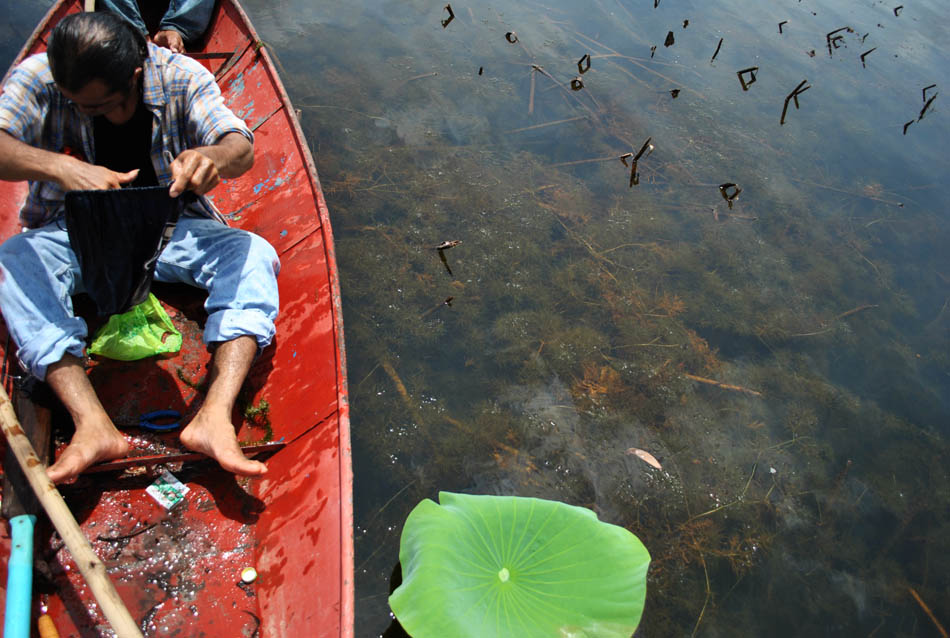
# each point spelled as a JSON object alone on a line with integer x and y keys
{"x": 125, "y": 147}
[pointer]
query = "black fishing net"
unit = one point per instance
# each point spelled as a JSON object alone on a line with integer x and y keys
{"x": 117, "y": 236}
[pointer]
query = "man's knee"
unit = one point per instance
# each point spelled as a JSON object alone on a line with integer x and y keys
{"x": 12, "y": 248}
{"x": 263, "y": 254}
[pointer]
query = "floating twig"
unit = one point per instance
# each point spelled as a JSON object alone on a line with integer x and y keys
{"x": 531, "y": 92}
{"x": 834, "y": 40}
{"x": 446, "y": 21}
{"x": 637, "y": 62}
{"x": 794, "y": 96}
{"x": 847, "y": 192}
{"x": 670, "y": 40}
{"x": 623, "y": 158}
{"x": 751, "y": 73}
{"x": 930, "y": 614}
{"x": 702, "y": 612}
{"x": 907, "y": 124}
{"x": 724, "y": 386}
{"x": 511, "y": 36}
{"x": 846, "y": 313}
{"x": 583, "y": 65}
{"x": 646, "y": 146}
{"x": 783, "y": 22}
{"x": 442, "y": 248}
{"x": 927, "y": 106}
{"x": 400, "y": 387}
{"x": 730, "y": 192}
{"x": 927, "y": 88}
{"x": 537, "y": 126}
{"x": 564, "y": 88}
{"x": 652, "y": 50}
{"x": 584, "y": 161}
{"x": 718, "y": 46}
{"x": 866, "y": 53}
{"x": 634, "y": 173}
{"x": 897, "y": 10}
{"x": 421, "y": 76}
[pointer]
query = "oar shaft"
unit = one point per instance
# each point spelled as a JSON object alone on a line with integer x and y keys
{"x": 46, "y": 627}
{"x": 17, "y": 616}
{"x": 92, "y": 569}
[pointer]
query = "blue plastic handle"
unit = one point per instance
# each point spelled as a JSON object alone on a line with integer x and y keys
{"x": 147, "y": 421}
{"x": 16, "y": 622}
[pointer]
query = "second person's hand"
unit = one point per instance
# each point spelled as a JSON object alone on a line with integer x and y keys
{"x": 170, "y": 39}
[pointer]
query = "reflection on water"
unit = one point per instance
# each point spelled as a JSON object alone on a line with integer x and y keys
{"x": 783, "y": 354}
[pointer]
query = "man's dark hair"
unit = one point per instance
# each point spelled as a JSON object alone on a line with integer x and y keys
{"x": 95, "y": 46}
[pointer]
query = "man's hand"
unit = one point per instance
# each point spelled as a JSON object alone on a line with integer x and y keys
{"x": 200, "y": 169}
{"x": 19, "y": 161}
{"x": 170, "y": 39}
{"x": 77, "y": 175}
{"x": 193, "y": 171}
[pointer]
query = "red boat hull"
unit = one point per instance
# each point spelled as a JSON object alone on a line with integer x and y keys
{"x": 179, "y": 570}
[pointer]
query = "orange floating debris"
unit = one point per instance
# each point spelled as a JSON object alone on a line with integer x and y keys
{"x": 724, "y": 386}
{"x": 645, "y": 456}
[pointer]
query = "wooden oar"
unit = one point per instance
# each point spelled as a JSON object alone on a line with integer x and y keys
{"x": 20, "y": 507}
{"x": 92, "y": 569}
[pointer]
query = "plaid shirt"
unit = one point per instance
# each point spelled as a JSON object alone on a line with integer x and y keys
{"x": 184, "y": 99}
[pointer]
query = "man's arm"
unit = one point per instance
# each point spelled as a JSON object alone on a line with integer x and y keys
{"x": 20, "y": 162}
{"x": 200, "y": 169}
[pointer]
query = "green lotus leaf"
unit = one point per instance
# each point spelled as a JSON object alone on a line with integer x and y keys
{"x": 507, "y": 566}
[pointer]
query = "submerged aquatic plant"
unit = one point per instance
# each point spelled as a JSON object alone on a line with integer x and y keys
{"x": 481, "y": 566}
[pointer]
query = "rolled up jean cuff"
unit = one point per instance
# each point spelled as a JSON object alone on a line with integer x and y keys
{"x": 227, "y": 325}
{"x": 50, "y": 345}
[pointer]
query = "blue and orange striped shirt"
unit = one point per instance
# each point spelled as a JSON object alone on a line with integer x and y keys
{"x": 185, "y": 102}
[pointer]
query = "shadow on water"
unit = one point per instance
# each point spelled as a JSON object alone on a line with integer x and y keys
{"x": 782, "y": 351}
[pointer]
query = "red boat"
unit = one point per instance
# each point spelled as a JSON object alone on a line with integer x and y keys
{"x": 179, "y": 570}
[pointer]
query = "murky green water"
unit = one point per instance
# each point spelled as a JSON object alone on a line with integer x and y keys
{"x": 808, "y": 492}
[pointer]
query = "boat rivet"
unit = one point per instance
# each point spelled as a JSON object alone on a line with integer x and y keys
{"x": 248, "y": 575}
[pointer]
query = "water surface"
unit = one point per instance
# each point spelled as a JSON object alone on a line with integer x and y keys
{"x": 805, "y": 494}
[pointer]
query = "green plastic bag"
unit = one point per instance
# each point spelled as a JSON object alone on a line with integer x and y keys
{"x": 143, "y": 331}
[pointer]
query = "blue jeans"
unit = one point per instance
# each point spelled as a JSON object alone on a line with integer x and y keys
{"x": 190, "y": 18}
{"x": 39, "y": 273}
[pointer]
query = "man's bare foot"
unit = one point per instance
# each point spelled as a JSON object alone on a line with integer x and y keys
{"x": 89, "y": 445}
{"x": 212, "y": 433}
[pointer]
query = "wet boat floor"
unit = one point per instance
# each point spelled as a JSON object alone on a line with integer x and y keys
{"x": 178, "y": 569}
{"x": 170, "y": 566}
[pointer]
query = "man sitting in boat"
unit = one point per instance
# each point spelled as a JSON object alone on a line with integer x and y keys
{"x": 181, "y": 22}
{"x": 102, "y": 91}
